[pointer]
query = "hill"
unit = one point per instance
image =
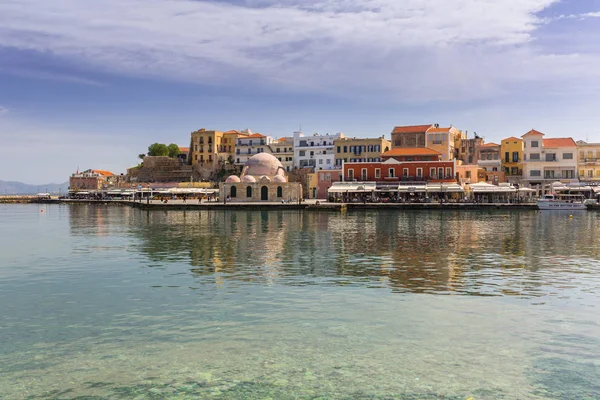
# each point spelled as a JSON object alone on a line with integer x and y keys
{"x": 8, "y": 187}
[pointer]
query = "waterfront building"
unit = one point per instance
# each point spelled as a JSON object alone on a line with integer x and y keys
{"x": 469, "y": 173}
{"x": 511, "y": 153}
{"x": 359, "y": 149}
{"x": 394, "y": 171}
{"x": 227, "y": 148}
{"x": 324, "y": 180}
{"x": 412, "y": 154}
{"x": 184, "y": 154}
{"x": 548, "y": 160}
{"x": 410, "y": 136}
{"x": 445, "y": 140}
{"x": 468, "y": 151}
{"x": 90, "y": 179}
{"x": 588, "y": 161}
{"x": 263, "y": 178}
{"x": 316, "y": 151}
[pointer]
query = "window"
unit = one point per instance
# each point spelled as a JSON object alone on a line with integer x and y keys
{"x": 405, "y": 172}
{"x": 363, "y": 174}
{"x": 514, "y": 171}
{"x": 515, "y": 157}
{"x": 320, "y": 161}
{"x": 279, "y": 191}
{"x": 468, "y": 174}
{"x": 302, "y": 153}
{"x": 432, "y": 173}
{"x": 581, "y": 155}
{"x": 322, "y": 177}
{"x": 339, "y": 148}
{"x": 590, "y": 173}
{"x": 233, "y": 192}
{"x": 249, "y": 191}
{"x": 328, "y": 177}
{"x": 507, "y": 157}
{"x": 549, "y": 174}
{"x": 196, "y": 157}
{"x": 391, "y": 172}
{"x": 534, "y": 156}
{"x": 568, "y": 174}
{"x": 567, "y": 156}
{"x": 440, "y": 173}
{"x": 351, "y": 174}
{"x": 535, "y": 172}
{"x": 535, "y": 143}
{"x": 329, "y": 161}
{"x": 345, "y": 149}
{"x": 377, "y": 173}
{"x": 312, "y": 153}
{"x": 419, "y": 172}
{"x": 448, "y": 172}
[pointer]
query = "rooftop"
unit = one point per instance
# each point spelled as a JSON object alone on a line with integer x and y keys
{"x": 417, "y": 151}
{"x": 439, "y": 130}
{"x": 184, "y": 149}
{"x": 102, "y": 172}
{"x": 559, "y": 142}
{"x": 511, "y": 138}
{"x": 489, "y": 145}
{"x": 412, "y": 128}
{"x": 533, "y": 132}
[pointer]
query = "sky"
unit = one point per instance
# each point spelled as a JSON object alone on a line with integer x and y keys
{"x": 90, "y": 84}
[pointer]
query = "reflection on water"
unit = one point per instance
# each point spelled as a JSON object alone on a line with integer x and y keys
{"x": 112, "y": 302}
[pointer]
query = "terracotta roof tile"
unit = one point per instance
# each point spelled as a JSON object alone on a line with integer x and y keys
{"x": 406, "y": 151}
{"x": 184, "y": 149}
{"x": 489, "y": 145}
{"x": 103, "y": 172}
{"x": 533, "y": 132}
{"x": 559, "y": 142}
{"x": 511, "y": 138}
{"x": 231, "y": 132}
{"x": 256, "y": 135}
{"x": 438, "y": 130}
{"x": 411, "y": 129}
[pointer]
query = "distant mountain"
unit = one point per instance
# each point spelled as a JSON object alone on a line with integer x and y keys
{"x": 24, "y": 188}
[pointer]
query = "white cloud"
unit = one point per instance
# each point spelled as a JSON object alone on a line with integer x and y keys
{"x": 3, "y": 111}
{"x": 423, "y": 50}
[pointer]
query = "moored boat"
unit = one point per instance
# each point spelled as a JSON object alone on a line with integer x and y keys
{"x": 562, "y": 202}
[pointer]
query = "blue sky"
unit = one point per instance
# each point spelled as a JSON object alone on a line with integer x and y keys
{"x": 92, "y": 84}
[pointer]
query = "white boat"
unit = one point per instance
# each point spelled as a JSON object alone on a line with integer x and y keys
{"x": 562, "y": 202}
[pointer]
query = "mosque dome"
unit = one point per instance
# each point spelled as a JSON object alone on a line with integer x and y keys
{"x": 279, "y": 179}
{"x": 263, "y": 164}
{"x": 248, "y": 179}
{"x": 232, "y": 179}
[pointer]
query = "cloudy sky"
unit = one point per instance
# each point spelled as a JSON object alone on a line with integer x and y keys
{"x": 90, "y": 84}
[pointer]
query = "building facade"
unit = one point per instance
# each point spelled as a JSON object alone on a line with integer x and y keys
{"x": 205, "y": 146}
{"x": 511, "y": 152}
{"x": 250, "y": 145}
{"x": 548, "y": 160}
{"x": 588, "y": 161}
{"x": 359, "y": 149}
{"x": 411, "y": 136}
{"x": 91, "y": 179}
{"x": 445, "y": 140}
{"x": 283, "y": 150}
{"x": 488, "y": 157}
{"x": 324, "y": 180}
{"x": 394, "y": 171}
{"x": 468, "y": 151}
{"x": 316, "y": 151}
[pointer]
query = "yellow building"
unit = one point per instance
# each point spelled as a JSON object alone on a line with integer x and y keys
{"x": 359, "y": 149}
{"x": 444, "y": 140}
{"x": 511, "y": 152}
{"x": 204, "y": 147}
{"x": 588, "y": 161}
{"x": 313, "y": 185}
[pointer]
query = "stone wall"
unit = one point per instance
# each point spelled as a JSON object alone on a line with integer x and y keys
{"x": 289, "y": 191}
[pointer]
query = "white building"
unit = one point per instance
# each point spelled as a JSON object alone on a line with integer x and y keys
{"x": 316, "y": 151}
{"x": 255, "y": 143}
{"x": 548, "y": 160}
{"x": 248, "y": 146}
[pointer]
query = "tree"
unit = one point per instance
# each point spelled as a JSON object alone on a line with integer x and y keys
{"x": 141, "y": 156}
{"x": 173, "y": 150}
{"x": 158, "y": 149}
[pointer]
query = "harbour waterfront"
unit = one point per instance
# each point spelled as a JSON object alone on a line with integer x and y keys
{"x": 117, "y": 302}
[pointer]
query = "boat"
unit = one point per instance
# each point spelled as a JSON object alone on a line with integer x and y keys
{"x": 562, "y": 202}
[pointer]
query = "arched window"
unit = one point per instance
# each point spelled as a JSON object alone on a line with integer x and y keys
{"x": 233, "y": 191}
{"x": 249, "y": 191}
{"x": 264, "y": 193}
{"x": 279, "y": 191}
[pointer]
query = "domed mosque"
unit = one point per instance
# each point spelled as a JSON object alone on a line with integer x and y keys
{"x": 263, "y": 178}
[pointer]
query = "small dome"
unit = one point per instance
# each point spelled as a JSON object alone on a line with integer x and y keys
{"x": 248, "y": 179}
{"x": 265, "y": 179}
{"x": 232, "y": 179}
{"x": 262, "y": 164}
{"x": 279, "y": 179}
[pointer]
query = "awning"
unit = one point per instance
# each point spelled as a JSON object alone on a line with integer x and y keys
{"x": 444, "y": 188}
{"x": 483, "y": 187}
{"x": 412, "y": 189}
{"x": 523, "y": 190}
{"x": 352, "y": 187}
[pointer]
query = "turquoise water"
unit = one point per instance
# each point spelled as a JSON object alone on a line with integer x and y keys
{"x": 116, "y": 303}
